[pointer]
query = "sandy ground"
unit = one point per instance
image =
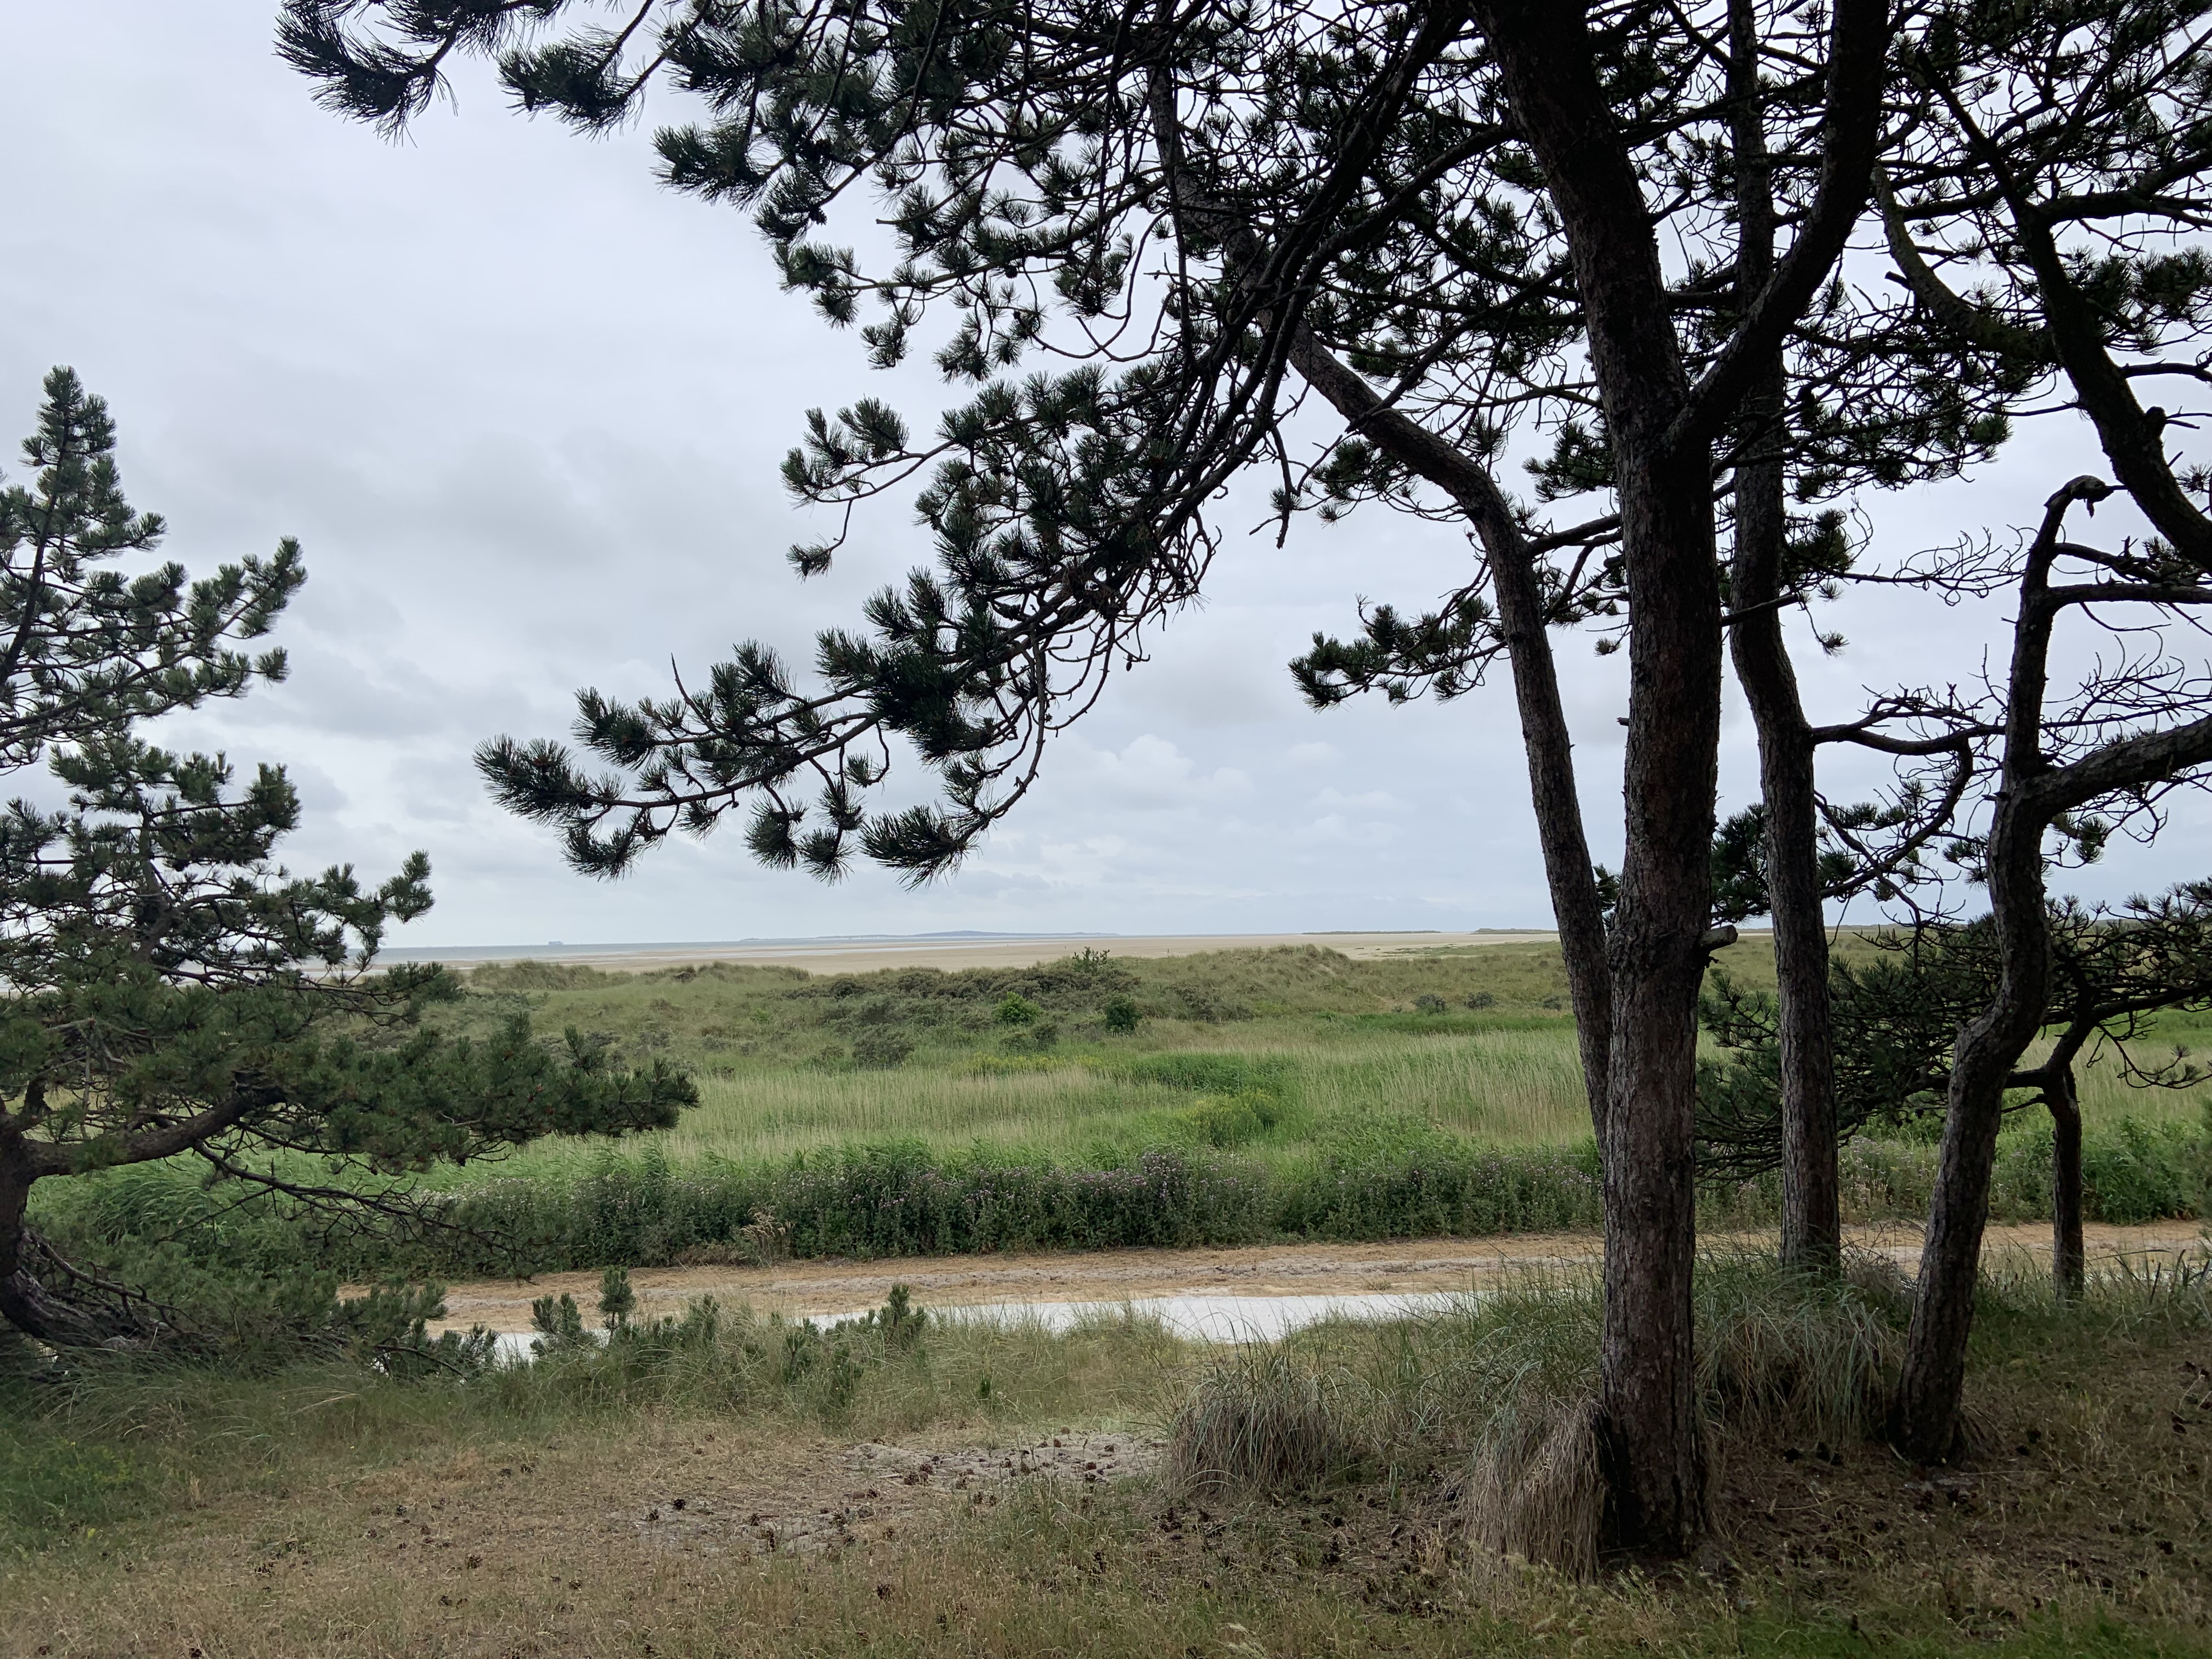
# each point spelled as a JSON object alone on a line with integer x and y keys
{"x": 827, "y": 1287}
{"x": 862, "y": 955}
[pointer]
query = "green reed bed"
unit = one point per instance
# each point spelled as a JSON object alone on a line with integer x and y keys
{"x": 1283, "y": 1094}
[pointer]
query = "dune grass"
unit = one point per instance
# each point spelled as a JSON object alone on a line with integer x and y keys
{"x": 1090, "y": 1103}
{"x": 1473, "y": 1040}
{"x": 1511, "y": 1086}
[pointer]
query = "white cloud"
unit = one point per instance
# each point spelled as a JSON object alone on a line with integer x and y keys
{"x": 1150, "y": 773}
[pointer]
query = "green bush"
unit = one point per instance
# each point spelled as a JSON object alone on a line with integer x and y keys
{"x": 2140, "y": 1172}
{"x": 882, "y": 1050}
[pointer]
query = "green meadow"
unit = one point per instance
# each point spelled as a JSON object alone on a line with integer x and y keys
{"x": 1473, "y": 1041}
{"x": 1092, "y": 1102}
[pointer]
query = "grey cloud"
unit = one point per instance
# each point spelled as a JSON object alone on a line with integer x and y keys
{"x": 524, "y": 410}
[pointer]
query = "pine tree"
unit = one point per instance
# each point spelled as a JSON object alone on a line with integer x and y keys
{"x": 1898, "y": 1018}
{"x": 1446, "y": 225}
{"x": 170, "y": 991}
{"x": 1440, "y": 221}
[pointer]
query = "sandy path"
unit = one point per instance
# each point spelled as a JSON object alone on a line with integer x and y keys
{"x": 1419, "y": 1265}
{"x": 862, "y": 955}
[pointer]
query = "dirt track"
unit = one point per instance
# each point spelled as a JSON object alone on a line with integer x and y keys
{"x": 862, "y": 955}
{"x": 842, "y": 1286}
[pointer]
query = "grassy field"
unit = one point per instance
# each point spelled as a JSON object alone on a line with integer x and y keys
{"x": 789, "y": 1062}
{"x": 1226, "y": 1098}
{"x": 728, "y": 1485}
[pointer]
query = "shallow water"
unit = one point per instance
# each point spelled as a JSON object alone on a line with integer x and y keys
{"x": 1196, "y": 1318}
{"x": 1211, "y": 1318}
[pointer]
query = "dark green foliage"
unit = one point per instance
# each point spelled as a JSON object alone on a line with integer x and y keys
{"x": 559, "y": 1323}
{"x": 2143, "y": 1172}
{"x": 389, "y": 1326}
{"x": 1898, "y": 827}
{"x": 1207, "y": 1073}
{"x": 617, "y": 1302}
{"x": 2134, "y": 1172}
{"x": 1402, "y": 1180}
{"x": 884, "y": 1049}
{"x": 1898, "y": 1015}
{"x": 1120, "y": 1014}
{"x": 898, "y": 1320}
{"x": 1341, "y": 179}
{"x": 89, "y": 647}
{"x": 171, "y": 990}
{"x": 1895, "y": 1022}
{"x": 898, "y": 1201}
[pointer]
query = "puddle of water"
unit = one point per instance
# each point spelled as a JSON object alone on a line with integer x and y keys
{"x": 1212, "y": 1318}
{"x": 1196, "y": 1318}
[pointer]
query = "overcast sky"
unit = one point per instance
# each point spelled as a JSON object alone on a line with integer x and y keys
{"x": 524, "y": 409}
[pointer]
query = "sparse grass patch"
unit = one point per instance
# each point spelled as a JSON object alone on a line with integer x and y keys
{"x": 343, "y": 1515}
{"x": 116, "y": 1441}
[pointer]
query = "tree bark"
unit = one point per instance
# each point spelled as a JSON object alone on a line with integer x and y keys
{"x": 1812, "y": 1208}
{"x": 1990, "y": 1045}
{"x": 1934, "y": 1376}
{"x": 2032, "y": 797}
{"x": 1567, "y": 866}
{"x": 1647, "y": 1386}
{"x": 1648, "y": 1375}
{"x": 2069, "y": 1259}
{"x": 16, "y": 1298}
{"x": 37, "y": 1286}
{"x": 1811, "y": 1215}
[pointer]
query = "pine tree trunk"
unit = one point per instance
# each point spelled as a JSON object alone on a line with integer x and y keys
{"x": 1990, "y": 1045}
{"x": 1811, "y": 1215}
{"x": 1933, "y": 1378}
{"x": 15, "y": 1285}
{"x": 1567, "y": 867}
{"x": 36, "y": 1299}
{"x": 1647, "y": 1377}
{"x": 2069, "y": 1259}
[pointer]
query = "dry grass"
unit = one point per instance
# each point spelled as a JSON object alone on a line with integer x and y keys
{"x": 2082, "y": 1528}
{"x": 2058, "y": 1553}
{"x": 1535, "y": 1491}
{"x": 1259, "y": 1421}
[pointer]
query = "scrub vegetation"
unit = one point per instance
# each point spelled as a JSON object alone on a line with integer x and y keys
{"x": 1290, "y": 1093}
